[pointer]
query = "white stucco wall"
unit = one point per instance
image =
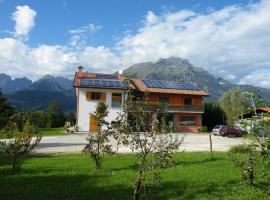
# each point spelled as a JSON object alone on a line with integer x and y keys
{"x": 85, "y": 107}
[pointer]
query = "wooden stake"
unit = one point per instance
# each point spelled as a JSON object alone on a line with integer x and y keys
{"x": 211, "y": 145}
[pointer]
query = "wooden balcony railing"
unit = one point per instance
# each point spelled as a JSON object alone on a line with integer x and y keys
{"x": 177, "y": 107}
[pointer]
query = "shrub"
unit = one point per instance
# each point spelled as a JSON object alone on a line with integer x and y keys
{"x": 202, "y": 129}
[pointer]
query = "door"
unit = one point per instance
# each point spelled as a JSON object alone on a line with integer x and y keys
{"x": 92, "y": 124}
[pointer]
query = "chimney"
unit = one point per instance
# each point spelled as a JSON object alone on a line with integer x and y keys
{"x": 80, "y": 71}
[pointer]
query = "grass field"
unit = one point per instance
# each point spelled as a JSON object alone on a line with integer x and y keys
{"x": 52, "y": 131}
{"x": 74, "y": 177}
{"x": 43, "y": 131}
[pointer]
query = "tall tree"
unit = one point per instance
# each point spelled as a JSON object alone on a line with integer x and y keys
{"x": 253, "y": 100}
{"x": 213, "y": 115}
{"x": 6, "y": 110}
{"x": 55, "y": 115}
{"x": 38, "y": 119}
{"x": 233, "y": 104}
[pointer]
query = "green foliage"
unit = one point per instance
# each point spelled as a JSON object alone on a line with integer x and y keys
{"x": 203, "y": 129}
{"x": 253, "y": 100}
{"x": 255, "y": 155}
{"x": 232, "y": 103}
{"x": 213, "y": 115}
{"x": 6, "y": 111}
{"x": 72, "y": 176}
{"x": 247, "y": 158}
{"x": 38, "y": 119}
{"x": 153, "y": 146}
{"x": 56, "y": 117}
{"x": 71, "y": 117}
{"x": 97, "y": 146}
{"x": 19, "y": 143}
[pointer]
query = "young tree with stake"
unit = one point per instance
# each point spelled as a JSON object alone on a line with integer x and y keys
{"x": 154, "y": 147}
{"x": 19, "y": 143}
{"x": 97, "y": 144}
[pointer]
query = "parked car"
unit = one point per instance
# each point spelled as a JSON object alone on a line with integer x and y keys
{"x": 230, "y": 131}
{"x": 216, "y": 129}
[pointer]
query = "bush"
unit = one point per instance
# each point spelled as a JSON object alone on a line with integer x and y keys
{"x": 241, "y": 148}
{"x": 202, "y": 129}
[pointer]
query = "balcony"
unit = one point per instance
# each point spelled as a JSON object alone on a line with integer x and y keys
{"x": 177, "y": 108}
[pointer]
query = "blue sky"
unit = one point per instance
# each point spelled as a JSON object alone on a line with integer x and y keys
{"x": 40, "y": 37}
{"x": 116, "y": 17}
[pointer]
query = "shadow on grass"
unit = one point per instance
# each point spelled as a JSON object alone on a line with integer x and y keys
{"x": 61, "y": 187}
{"x": 196, "y": 162}
{"x": 6, "y": 162}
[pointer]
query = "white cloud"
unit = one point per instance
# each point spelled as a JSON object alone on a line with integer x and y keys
{"x": 89, "y": 28}
{"x": 17, "y": 59}
{"x": 233, "y": 42}
{"x": 24, "y": 18}
{"x": 235, "y": 39}
{"x": 259, "y": 78}
{"x": 80, "y": 35}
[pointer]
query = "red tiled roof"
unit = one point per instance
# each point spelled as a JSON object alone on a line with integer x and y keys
{"x": 138, "y": 84}
{"x": 266, "y": 109}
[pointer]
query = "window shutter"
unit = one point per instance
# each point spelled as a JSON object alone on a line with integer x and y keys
{"x": 88, "y": 96}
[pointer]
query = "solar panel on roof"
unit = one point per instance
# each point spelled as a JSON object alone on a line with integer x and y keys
{"x": 169, "y": 85}
{"x": 106, "y": 76}
{"x": 103, "y": 83}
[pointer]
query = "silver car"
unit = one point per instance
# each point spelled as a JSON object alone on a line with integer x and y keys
{"x": 217, "y": 128}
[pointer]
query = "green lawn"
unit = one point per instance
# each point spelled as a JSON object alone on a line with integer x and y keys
{"x": 74, "y": 177}
{"x": 52, "y": 131}
{"x": 43, "y": 131}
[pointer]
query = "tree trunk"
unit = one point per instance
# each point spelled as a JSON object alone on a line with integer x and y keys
{"x": 138, "y": 185}
{"x": 98, "y": 157}
{"x": 14, "y": 162}
{"x": 139, "y": 180}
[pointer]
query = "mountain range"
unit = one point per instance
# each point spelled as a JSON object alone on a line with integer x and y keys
{"x": 23, "y": 93}
{"x": 178, "y": 69}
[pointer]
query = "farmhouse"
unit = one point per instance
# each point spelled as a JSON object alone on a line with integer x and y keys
{"x": 184, "y": 100}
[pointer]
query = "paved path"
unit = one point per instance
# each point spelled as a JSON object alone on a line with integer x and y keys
{"x": 193, "y": 142}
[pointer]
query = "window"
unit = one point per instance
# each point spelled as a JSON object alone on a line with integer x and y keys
{"x": 96, "y": 96}
{"x": 187, "y": 120}
{"x": 116, "y": 99}
{"x": 164, "y": 100}
{"x": 188, "y": 101}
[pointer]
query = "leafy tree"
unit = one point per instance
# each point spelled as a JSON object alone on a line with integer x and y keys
{"x": 232, "y": 103}
{"x": 97, "y": 146}
{"x": 250, "y": 157}
{"x": 71, "y": 117}
{"x": 6, "y": 111}
{"x": 213, "y": 115}
{"x": 19, "y": 143}
{"x": 253, "y": 101}
{"x": 246, "y": 157}
{"x": 55, "y": 115}
{"x": 38, "y": 119}
{"x": 154, "y": 147}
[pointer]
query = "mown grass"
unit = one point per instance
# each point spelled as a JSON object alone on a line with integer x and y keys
{"x": 42, "y": 131}
{"x": 74, "y": 177}
{"x": 51, "y": 131}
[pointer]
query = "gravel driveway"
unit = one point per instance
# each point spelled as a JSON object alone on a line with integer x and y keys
{"x": 193, "y": 142}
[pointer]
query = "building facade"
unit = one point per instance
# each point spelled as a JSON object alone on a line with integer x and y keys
{"x": 185, "y": 101}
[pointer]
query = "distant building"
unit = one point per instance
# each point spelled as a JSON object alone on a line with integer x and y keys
{"x": 185, "y": 101}
{"x": 259, "y": 111}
